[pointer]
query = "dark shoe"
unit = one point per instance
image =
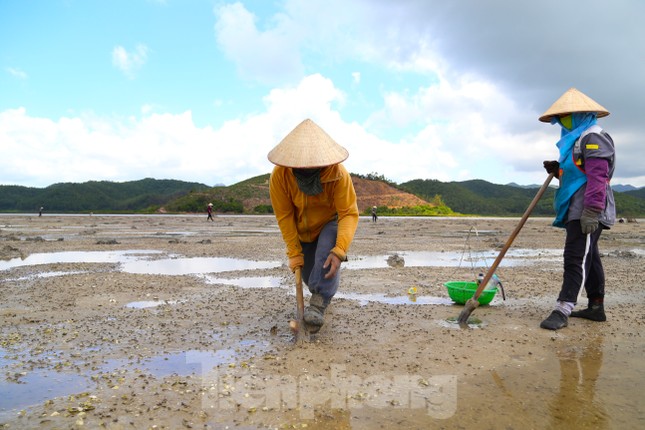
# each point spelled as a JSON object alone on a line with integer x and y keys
{"x": 593, "y": 313}
{"x": 314, "y": 313}
{"x": 555, "y": 321}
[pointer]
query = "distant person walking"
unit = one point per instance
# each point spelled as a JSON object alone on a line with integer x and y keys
{"x": 40, "y": 211}
{"x": 209, "y": 209}
{"x": 584, "y": 202}
{"x": 314, "y": 203}
{"x": 374, "y": 217}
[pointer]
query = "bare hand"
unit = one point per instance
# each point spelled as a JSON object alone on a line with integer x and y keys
{"x": 333, "y": 262}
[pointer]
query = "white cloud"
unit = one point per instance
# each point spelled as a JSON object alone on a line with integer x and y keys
{"x": 146, "y": 109}
{"x": 505, "y": 56}
{"x": 270, "y": 56}
{"x": 129, "y": 62}
{"x": 171, "y": 146}
{"x": 17, "y": 73}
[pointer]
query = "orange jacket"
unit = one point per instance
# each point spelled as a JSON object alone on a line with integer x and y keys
{"x": 302, "y": 217}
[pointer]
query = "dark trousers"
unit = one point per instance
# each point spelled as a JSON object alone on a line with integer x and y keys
{"x": 582, "y": 264}
{"x": 316, "y": 253}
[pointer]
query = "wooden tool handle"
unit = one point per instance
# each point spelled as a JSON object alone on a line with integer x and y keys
{"x": 509, "y": 242}
{"x": 300, "y": 300}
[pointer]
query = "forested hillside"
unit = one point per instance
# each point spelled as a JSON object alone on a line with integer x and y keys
{"x": 417, "y": 197}
{"x": 146, "y": 195}
{"x": 252, "y": 196}
{"x": 640, "y": 193}
{"x": 483, "y": 198}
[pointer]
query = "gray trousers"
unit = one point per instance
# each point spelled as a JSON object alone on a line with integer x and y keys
{"x": 316, "y": 253}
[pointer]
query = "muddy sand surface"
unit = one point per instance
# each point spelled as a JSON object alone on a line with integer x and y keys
{"x": 136, "y": 322}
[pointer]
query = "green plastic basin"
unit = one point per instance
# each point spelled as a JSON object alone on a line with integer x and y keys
{"x": 460, "y": 292}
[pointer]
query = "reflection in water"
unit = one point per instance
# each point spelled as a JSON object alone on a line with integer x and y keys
{"x": 45, "y": 275}
{"x": 35, "y": 386}
{"x": 140, "y": 262}
{"x": 195, "y": 265}
{"x": 575, "y": 405}
{"x": 77, "y": 257}
{"x": 364, "y": 299}
{"x": 144, "y": 304}
{"x": 514, "y": 257}
{"x": 452, "y": 323}
{"x": 143, "y": 261}
{"x": 23, "y": 388}
{"x": 246, "y": 282}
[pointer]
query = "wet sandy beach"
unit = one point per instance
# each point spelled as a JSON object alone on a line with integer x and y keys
{"x": 175, "y": 322}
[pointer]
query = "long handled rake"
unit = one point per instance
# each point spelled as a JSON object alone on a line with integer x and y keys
{"x": 473, "y": 302}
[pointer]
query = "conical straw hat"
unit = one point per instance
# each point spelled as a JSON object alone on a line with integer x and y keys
{"x": 307, "y": 146}
{"x": 573, "y": 101}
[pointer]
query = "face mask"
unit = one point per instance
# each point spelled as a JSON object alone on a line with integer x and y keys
{"x": 567, "y": 121}
{"x": 306, "y": 173}
{"x": 308, "y": 181}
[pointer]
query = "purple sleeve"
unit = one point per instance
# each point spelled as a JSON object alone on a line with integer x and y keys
{"x": 597, "y": 170}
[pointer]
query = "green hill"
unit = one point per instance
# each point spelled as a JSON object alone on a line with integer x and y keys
{"x": 146, "y": 195}
{"x": 640, "y": 193}
{"x": 474, "y": 197}
{"x": 483, "y": 198}
{"x": 630, "y": 204}
{"x": 250, "y": 195}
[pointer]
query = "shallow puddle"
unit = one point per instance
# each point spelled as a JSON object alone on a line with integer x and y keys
{"x": 593, "y": 385}
{"x": 364, "y": 299}
{"x": 45, "y": 275}
{"x": 183, "y": 363}
{"x": 38, "y": 385}
{"x": 247, "y": 282}
{"x": 597, "y": 384}
{"x": 452, "y": 323}
{"x": 142, "y": 262}
{"x": 78, "y": 257}
{"x": 144, "y": 304}
{"x": 20, "y": 389}
{"x": 517, "y": 257}
{"x": 191, "y": 266}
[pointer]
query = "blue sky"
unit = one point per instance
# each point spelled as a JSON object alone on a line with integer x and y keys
{"x": 202, "y": 90}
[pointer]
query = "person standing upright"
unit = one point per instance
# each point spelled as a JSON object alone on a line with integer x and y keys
{"x": 209, "y": 209}
{"x": 584, "y": 202}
